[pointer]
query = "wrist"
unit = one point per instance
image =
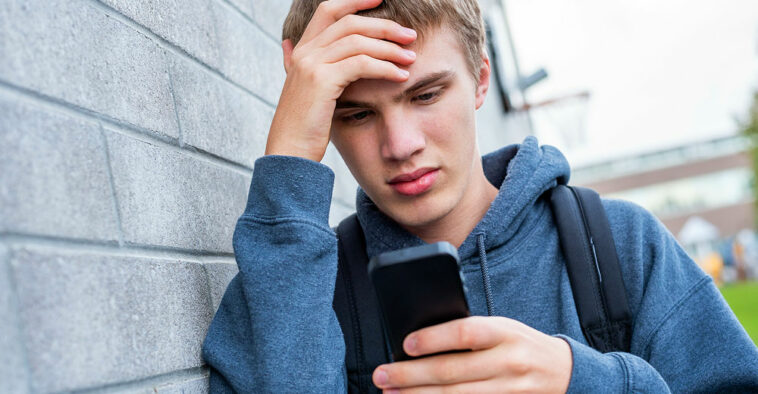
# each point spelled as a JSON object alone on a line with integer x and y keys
{"x": 275, "y": 147}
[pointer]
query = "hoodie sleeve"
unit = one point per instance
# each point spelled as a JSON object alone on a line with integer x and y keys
{"x": 686, "y": 338}
{"x": 275, "y": 329}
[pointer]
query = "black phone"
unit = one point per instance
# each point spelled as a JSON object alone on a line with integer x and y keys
{"x": 417, "y": 287}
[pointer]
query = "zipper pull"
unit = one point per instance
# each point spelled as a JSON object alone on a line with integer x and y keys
{"x": 594, "y": 257}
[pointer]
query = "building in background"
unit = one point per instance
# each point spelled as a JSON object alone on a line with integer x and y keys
{"x": 702, "y": 192}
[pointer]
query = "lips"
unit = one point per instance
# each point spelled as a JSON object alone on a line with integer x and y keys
{"x": 416, "y": 182}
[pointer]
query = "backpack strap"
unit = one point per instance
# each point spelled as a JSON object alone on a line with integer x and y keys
{"x": 357, "y": 309}
{"x": 593, "y": 268}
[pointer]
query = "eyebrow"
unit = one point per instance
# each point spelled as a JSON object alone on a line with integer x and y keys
{"x": 420, "y": 84}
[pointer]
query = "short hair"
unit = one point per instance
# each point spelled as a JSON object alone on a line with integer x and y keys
{"x": 463, "y": 17}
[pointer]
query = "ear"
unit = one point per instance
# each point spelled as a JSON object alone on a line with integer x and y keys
{"x": 483, "y": 84}
{"x": 287, "y": 48}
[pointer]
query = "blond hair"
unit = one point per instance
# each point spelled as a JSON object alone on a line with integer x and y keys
{"x": 462, "y": 17}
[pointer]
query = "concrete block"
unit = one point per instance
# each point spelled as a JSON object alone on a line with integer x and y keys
{"x": 244, "y": 6}
{"x": 189, "y": 26}
{"x": 54, "y": 174}
{"x": 168, "y": 198}
{"x": 95, "y": 319}
{"x": 193, "y": 386}
{"x": 219, "y": 276}
{"x": 218, "y": 117}
{"x": 14, "y": 376}
{"x": 270, "y": 15}
{"x": 73, "y": 51}
{"x": 247, "y": 56}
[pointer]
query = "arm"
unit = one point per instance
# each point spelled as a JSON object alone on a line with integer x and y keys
{"x": 685, "y": 336}
{"x": 275, "y": 327}
{"x": 684, "y": 331}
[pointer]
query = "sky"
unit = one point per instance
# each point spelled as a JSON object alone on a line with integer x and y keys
{"x": 659, "y": 73}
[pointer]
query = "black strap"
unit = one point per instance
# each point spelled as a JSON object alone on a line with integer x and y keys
{"x": 357, "y": 309}
{"x": 593, "y": 268}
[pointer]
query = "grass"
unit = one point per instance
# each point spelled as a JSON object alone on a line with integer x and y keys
{"x": 743, "y": 299}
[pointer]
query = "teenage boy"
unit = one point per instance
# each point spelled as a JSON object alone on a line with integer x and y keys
{"x": 399, "y": 105}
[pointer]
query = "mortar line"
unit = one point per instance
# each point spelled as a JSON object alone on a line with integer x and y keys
{"x": 112, "y": 183}
{"x": 149, "y": 383}
{"x": 251, "y": 21}
{"x": 173, "y": 100}
{"x": 40, "y": 100}
{"x": 110, "y": 248}
{"x": 209, "y": 289}
{"x": 177, "y": 50}
{"x": 16, "y": 309}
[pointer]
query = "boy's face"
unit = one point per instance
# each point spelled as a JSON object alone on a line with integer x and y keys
{"x": 386, "y": 129}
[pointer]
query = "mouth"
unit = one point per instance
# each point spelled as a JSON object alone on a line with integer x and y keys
{"x": 416, "y": 182}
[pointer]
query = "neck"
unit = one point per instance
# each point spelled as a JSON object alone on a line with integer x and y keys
{"x": 458, "y": 223}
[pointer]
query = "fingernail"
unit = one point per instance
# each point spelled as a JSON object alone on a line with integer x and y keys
{"x": 408, "y": 32}
{"x": 409, "y": 54}
{"x": 381, "y": 377}
{"x": 410, "y": 344}
{"x": 403, "y": 73}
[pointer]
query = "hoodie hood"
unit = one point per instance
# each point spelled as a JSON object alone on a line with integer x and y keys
{"x": 522, "y": 172}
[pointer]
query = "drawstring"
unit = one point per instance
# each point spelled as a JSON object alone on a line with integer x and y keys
{"x": 485, "y": 275}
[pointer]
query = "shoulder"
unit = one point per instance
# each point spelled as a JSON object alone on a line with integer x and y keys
{"x": 622, "y": 213}
{"x": 653, "y": 263}
{"x": 636, "y": 230}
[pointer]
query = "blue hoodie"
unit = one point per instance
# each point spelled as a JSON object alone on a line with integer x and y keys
{"x": 275, "y": 330}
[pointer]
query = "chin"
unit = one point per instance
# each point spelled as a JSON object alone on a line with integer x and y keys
{"x": 420, "y": 213}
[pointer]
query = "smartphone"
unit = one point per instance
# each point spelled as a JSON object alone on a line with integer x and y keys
{"x": 417, "y": 287}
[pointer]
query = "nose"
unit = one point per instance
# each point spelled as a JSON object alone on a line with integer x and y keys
{"x": 401, "y": 136}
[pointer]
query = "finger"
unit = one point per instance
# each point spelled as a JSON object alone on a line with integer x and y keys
{"x": 475, "y": 332}
{"x": 440, "y": 369}
{"x": 365, "y": 67}
{"x": 483, "y": 386}
{"x": 287, "y": 52}
{"x": 379, "y": 49}
{"x": 383, "y": 29}
{"x": 331, "y": 11}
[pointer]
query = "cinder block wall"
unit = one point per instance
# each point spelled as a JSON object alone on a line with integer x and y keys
{"x": 128, "y": 132}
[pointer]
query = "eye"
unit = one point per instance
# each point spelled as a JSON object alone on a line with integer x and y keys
{"x": 355, "y": 117}
{"x": 428, "y": 97}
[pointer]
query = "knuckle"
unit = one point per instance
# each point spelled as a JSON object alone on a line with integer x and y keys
{"x": 447, "y": 370}
{"x": 324, "y": 8}
{"x": 518, "y": 364}
{"x": 386, "y": 26}
{"x": 363, "y": 60}
{"x": 352, "y": 20}
{"x": 467, "y": 333}
{"x": 297, "y": 59}
{"x": 354, "y": 39}
{"x": 304, "y": 64}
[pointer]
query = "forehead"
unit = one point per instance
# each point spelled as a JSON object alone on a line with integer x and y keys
{"x": 438, "y": 51}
